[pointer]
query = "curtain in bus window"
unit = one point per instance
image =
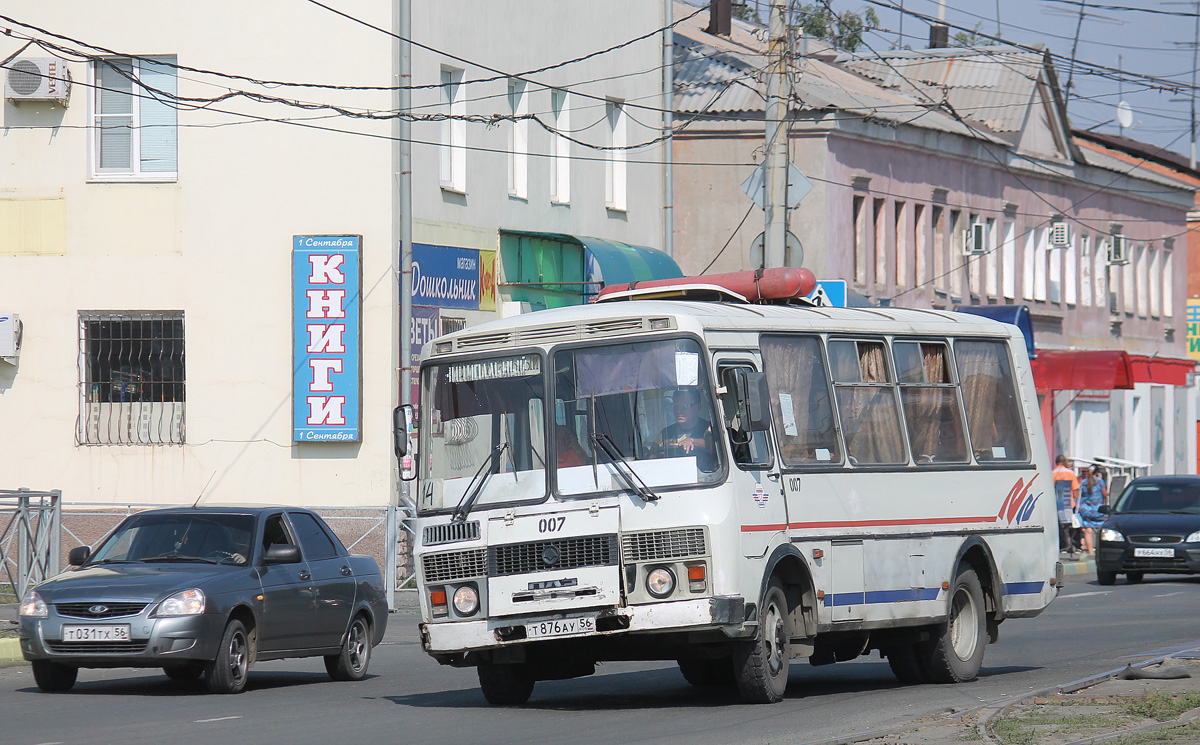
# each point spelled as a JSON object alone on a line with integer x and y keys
{"x": 930, "y": 403}
{"x": 800, "y": 402}
{"x": 870, "y": 421}
{"x": 989, "y": 396}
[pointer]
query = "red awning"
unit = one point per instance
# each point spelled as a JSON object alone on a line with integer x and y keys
{"x": 1163, "y": 370}
{"x": 1083, "y": 369}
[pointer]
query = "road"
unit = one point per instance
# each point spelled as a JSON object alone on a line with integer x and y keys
{"x": 408, "y": 698}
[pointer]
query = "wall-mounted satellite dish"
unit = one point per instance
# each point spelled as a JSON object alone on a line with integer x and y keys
{"x": 1124, "y": 115}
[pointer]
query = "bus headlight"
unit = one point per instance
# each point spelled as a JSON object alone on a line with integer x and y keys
{"x": 1112, "y": 536}
{"x": 466, "y": 600}
{"x": 660, "y": 582}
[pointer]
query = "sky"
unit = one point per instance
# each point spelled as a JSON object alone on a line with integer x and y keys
{"x": 1115, "y": 34}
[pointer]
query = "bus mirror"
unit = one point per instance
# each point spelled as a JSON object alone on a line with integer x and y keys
{"x": 402, "y": 419}
{"x": 751, "y": 395}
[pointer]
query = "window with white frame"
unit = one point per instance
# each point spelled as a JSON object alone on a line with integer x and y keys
{"x": 1010, "y": 259}
{"x": 1143, "y": 280}
{"x": 1100, "y": 275}
{"x": 560, "y": 162}
{"x": 131, "y": 373}
{"x": 454, "y": 132}
{"x": 614, "y": 172}
{"x": 1041, "y": 263}
{"x": 518, "y": 140}
{"x": 1168, "y": 282}
{"x": 1030, "y": 264}
{"x": 134, "y": 119}
{"x": 992, "y": 260}
{"x": 1156, "y": 279}
{"x": 860, "y": 240}
{"x": 1128, "y": 281}
{"x": 1070, "y": 274}
{"x": 1085, "y": 269}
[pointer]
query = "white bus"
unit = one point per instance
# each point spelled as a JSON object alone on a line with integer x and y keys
{"x": 729, "y": 485}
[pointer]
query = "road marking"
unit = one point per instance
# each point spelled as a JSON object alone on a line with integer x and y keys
{"x": 215, "y": 719}
{"x": 1169, "y": 594}
{"x": 1084, "y": 594}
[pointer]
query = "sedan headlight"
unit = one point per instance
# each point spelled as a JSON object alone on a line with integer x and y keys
{"x": 466, "y": 600}
{"x": 660, "y": 582}
{"x": 1112, "y": 536}
{"x": 32, "y": 606}
{"x": 1193, "y": 538}
{"x": 184, "y": 603}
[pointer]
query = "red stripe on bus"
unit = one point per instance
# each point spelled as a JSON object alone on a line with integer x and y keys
{"x": 871, "y": 523}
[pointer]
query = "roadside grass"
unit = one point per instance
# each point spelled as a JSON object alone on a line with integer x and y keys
{"x": 7, "y": 593}
{"x": 1043, "y": 722}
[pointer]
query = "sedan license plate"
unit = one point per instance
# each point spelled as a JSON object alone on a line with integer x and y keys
{"x": 96, "y": 633}
{"x": 1167, "y": 553}
{"x": 560, "y": 627}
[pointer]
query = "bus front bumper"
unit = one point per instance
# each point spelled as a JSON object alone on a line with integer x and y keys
{"x": 724, "y": 613}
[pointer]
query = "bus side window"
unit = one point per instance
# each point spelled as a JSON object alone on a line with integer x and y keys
{"x": 866, "y": 402}
{"x": 801, "y": 405}
{"x": 931, "y": 408}
{"x": 994, "y": 420}
{"x": 752, "y": 454}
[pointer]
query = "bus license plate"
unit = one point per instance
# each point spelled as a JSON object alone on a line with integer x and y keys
{"x": 96, "y": 633}
{"x": 560, "y": 627}
{"x": 1165, "y": 553}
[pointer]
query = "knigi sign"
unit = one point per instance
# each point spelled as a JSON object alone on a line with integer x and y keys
{"x": 326, "y": 326}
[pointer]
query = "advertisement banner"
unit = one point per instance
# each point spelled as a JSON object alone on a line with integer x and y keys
{"x": 445, "y": 277}
{"x": 326, "y": 333}
{"x": 487, "y": 280}
{"x": 425, "y": 325}
{"x": 1193, "y": 328}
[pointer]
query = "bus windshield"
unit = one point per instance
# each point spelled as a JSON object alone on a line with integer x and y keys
{"x": 639, "y": 411}
{"x": 484, "y": 431}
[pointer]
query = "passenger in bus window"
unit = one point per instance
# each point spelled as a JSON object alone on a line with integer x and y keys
{"x": 570, "y": 452}
{"x": 690, "y": 434}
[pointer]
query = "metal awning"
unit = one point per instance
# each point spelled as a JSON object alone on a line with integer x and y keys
{"x": 1082, "y": 369}
{"x": 616, "y": 262}
{"x": 1163, "y": 370}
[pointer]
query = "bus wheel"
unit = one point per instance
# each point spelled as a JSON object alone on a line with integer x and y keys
{"x": 760, "y": 666}
{"x": 955, "y": 653}
{"x": 708, "y": 673}
{"x": 505, "y": 685}
{"x": 905, "y": 661}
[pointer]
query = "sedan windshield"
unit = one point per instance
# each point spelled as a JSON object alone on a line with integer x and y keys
{"x": 211, "y": 538}
{"x": 1162, "y": 496}
{"x": 483, "y": 437}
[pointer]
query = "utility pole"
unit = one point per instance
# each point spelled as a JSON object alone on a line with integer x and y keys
{"x": 1195, "y": 47}
{"x": 403, "y": 208}
{"x": 668, "y": 125}
{"x": 775, "y": 213}
{"x": 1074, "y": 51}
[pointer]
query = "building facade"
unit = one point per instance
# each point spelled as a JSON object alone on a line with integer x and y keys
{"x": 200, "y": 238}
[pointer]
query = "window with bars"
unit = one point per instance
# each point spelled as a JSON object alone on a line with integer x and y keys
{"x": 131, "y": 377}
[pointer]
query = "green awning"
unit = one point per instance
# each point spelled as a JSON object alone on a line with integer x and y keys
{"x": 613, "y": 262}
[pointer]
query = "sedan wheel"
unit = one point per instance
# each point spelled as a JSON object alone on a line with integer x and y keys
{"x": 228, "y": 673}
{"x": 351, "y": 663}
{"x": 53, "y": 677}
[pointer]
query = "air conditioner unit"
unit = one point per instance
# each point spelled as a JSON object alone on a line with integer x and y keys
{"x": 10, "y": 337}
{"x": 38, "y": 79}
{"x": 1118, "y": 253}
{"x": 1060, "y": 234}
{"x": 975, "y": 239}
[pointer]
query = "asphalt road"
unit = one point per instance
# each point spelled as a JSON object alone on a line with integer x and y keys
{"x": 408, "y": 698}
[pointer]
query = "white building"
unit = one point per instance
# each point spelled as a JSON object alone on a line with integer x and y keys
{"x": 151, "y": 219}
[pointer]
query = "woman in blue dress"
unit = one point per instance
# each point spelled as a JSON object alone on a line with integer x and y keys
{"x": 1093, "y": 492}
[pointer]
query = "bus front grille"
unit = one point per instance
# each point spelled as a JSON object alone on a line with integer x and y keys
{"x": 453, "y": 565}
{"x": 659, "y": 545}
{"x": 541, "y": 556}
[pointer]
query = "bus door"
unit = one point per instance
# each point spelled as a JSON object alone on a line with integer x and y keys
{"x": 758, "y": 494}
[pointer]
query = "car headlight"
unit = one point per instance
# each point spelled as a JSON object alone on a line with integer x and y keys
{"x": 1112, "y": 536}
{"x": 466, "y": 600}
{"x": 660, "y": 582}
{"x": 184, "y": 603}
{"x": 1193, "y": 538}
{"x": 32, "y": 606}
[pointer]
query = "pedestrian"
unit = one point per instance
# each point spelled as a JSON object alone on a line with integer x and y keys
{"x": 1093, "y": 493}
{"x": 1066, "y": 492}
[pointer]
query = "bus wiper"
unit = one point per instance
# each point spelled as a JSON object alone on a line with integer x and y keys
{"x": 475, "y": 488}
{"x": 622, "y": 467}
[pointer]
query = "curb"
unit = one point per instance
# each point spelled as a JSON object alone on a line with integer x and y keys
{"x": 10, "y": 652}
{"x": 1079, "y": 567}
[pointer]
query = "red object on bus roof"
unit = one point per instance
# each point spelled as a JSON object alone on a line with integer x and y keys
{"x": 781, "y": 283}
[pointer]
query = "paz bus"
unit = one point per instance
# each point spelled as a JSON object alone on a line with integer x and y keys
{"x": 710, "y": 471}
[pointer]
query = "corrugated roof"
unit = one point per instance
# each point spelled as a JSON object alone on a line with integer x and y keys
{"x": 992, "y": 86}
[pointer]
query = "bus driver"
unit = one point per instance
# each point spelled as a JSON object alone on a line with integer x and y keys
{"x": 690, "y": 434}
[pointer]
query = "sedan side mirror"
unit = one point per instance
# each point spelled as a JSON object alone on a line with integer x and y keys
{"x": 1104, "y": 509}
{"x": 282, "y": 553}
{"x": 78, "y": 555}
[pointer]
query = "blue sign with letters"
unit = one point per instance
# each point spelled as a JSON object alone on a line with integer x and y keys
{"x": 326, "y": 324}
{"x": 445, "y": 276}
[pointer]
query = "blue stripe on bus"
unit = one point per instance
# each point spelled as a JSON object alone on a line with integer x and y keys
{"x": 881, "y": 596}
{"x": 1023, "y": 588}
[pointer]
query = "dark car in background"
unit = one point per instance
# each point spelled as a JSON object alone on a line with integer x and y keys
{"x": 1152, "y": 527}
{"x": 207, "y": 591}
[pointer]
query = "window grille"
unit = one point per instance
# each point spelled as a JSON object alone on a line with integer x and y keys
{"x": 131, "y": 378}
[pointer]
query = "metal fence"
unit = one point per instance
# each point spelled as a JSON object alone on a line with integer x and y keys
{"x": 51, "y": 531}
{"x": 30, "y": 542}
